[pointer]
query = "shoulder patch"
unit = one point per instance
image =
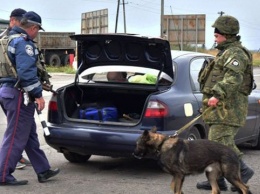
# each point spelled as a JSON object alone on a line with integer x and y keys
{"x": 29, "y": 50}
{"x": 235, "y": 62}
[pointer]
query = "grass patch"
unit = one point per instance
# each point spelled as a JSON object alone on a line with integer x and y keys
{"x": 256, "y": 59}
{"x": 256, "y": 63}
{"x": 64, "y": 69}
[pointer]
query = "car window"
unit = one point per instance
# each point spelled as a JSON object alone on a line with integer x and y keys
{"x": 124, "y": 74}
{"x": 195, "y": 67}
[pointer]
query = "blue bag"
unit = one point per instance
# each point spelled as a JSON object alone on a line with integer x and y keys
{"x": 101, "y": 114}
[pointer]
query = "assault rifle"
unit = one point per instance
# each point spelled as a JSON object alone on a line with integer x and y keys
{"x": 43, "y": 74}
{"x": 48, "y": 88}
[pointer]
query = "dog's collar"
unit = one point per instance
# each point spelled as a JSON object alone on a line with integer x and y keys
{"x": 158, "y": 150}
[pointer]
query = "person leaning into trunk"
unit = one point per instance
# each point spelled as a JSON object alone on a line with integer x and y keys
{"x": 226, "y": 83}
{"x": 117, "y": 76}
{"x": 21, "y": 132}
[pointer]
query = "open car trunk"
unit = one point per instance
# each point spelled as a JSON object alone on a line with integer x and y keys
{"x": 94, "y": 97}
{"x": 117, "y": 104}
{"x": 146, "y": 62}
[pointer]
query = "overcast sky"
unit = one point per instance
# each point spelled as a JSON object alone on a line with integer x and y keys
{"x": 142, "y": 16}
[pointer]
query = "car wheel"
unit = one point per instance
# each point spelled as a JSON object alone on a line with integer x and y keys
{"x": 193, "y": 134}
{"x": 54, "y": 60}
{"x": 257, "y": 146}
{"x": 76, "y": 158}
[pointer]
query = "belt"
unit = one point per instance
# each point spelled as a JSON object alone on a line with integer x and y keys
{"x": 9, "y": 85}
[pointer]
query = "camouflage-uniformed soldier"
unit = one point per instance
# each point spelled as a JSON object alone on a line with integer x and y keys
{"x": 226, "y": 83}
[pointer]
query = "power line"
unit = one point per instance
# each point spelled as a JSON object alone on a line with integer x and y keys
{"x": 144, "y": 8}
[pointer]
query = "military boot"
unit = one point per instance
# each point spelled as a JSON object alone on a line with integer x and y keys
{"x": 246, "y": 174}
{"x": 206, "y": 185}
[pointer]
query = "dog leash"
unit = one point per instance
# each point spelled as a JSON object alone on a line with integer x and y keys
{"x": 196, "y": 118}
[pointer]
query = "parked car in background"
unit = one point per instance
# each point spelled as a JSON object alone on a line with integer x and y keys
{"x": 96, "y": 116}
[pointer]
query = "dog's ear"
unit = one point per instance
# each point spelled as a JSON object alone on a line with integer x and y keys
{"x": 146, "y": 132}
{"x": 154, "y": 129}
{"x": 145, "y": 136}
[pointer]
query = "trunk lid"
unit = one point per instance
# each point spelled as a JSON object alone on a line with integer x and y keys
{"x": 123, "y": 50}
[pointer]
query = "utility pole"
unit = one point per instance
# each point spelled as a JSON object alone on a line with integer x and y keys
{"x": 124, "y": 16}
{"x": 162, "y": 13}
{"x": 117, "y": 14}
{"x": 221, "y": 13}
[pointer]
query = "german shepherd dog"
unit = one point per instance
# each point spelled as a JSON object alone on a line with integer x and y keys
{"x": 180, "y": 157}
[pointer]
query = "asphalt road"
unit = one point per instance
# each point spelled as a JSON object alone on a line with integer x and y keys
{"x": 110, "y": 175}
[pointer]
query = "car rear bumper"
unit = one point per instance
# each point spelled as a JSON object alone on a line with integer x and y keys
{"x": 93, "y": 141}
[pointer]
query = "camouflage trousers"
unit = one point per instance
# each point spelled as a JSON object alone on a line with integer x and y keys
{"x": 225, "y": 135}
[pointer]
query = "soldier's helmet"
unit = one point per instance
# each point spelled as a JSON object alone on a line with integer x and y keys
{"x": 227, "y": 25}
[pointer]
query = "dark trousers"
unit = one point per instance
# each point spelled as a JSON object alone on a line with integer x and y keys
{"x": 20, "y": 135}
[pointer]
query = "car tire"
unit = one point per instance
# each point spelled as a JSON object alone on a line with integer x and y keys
{"x": 257, "y": 146}
{"x": 193, "y": 134}
{"x": 54, "y": 60}
{"x": 76, "y": 158}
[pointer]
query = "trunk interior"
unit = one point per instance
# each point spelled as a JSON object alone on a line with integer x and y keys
{"x": 128, "y": 102}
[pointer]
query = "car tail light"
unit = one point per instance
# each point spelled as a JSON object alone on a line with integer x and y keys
{"x": 53, "y": 115}
{"x": 156, "y": 109}
{"x": 53, "y": 106}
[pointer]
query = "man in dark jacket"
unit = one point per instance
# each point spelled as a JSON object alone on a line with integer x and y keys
{"x": 21, "y": 127}
{"x": 15, "y": 19}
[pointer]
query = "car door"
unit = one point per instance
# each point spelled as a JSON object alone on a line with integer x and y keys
{"x": 249, "y": 130}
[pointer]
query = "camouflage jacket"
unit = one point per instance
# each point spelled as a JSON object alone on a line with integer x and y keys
{"x": 227, "y": 79}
